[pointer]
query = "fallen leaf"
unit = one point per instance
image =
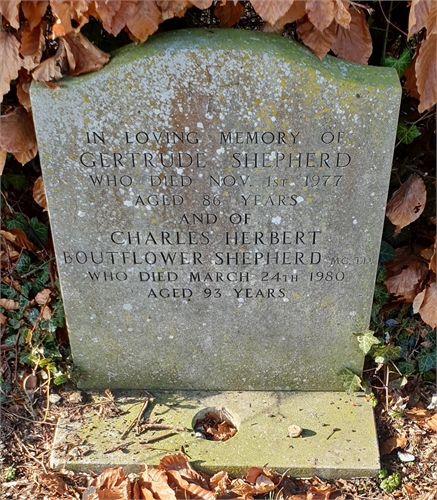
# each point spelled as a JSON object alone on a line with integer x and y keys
{"x": 11, "y": 12}
{"x": 179, "y": 463}
{"x": 9, "y": 304}
{"x": 202, "y": 4}
{"x": 153, "y": 484}
{"x": 3, "y": 319}
{"x": 320, "y": 13}
{"x": 410, "y": 489}
{"x": 422, "y": 15}
{"x": 34, "y": 11}
{"x": 295, "y": 12}
{"x": 112, "y": 484}
{"x": 322, "y": 492}
{"x": 23, "y": 86}
{"x": 242, "y": 488}
{"x": 355, "y": 43}
{"x": 319, "y": 42}
{"x": 19, "y": 239}
{"x": 407, "y": 203}
{"x": 341, "y": 13}
{"x": 392, "y": 443}
{"x": 31, "y": 48}
{"x": 11, "y": 61}
{"x": 426, "y": 73}
{"x": 53, "y": 482}
{"x": 271, "y": 10}
{"x": 405, "y": 274}
{"x": 431, "y": 423}
{"x": 53, "y": 67}
{"x": 39, "y": 194}
{"x": 2, "y": 160}
{"x": 418, "y": 414}
{"x": 220, "y": 483}
{"x": 43, "y": 296}
{"x": 229, "y": 13}
{"x": 17, "y": 134}
{"x": 173, "y": 8}
{"x": 87, "y": 56}
{"x": 145, "y": 20}
{"x": 410, "y": 80}
{"x": 425, "y": 303}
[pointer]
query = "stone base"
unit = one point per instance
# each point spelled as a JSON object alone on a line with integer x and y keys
{"x": 338, "y": 439}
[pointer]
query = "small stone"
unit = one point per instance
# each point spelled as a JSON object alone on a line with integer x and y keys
{"x": 294, "y": 431}
{"x": 406, "y": 457}
{"x": 54, "y": 398}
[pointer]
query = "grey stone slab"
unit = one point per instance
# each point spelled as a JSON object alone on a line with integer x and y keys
{"x": 216, "y": 200}
{"x": 262, "y": 418}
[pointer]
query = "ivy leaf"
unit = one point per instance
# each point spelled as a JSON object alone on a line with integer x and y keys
{"x": 401, "y": 64}
{"x": 38, "y": 233}
{"x": 386, "y": 252}
{"x": 366, "y": 340}
{"x": 407, "y": 134}
{"x": 386, "y": 353}
{"x": 351, "y": 381}
{"x": 426, "y": 361}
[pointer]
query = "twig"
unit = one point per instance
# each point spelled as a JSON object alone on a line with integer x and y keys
{"x": 120, "y": 447}
{"x": 152, "y": 427}
{"x": 157, "y": 438}
{"x": 28, "y": 419}
{"x": 334, "y": 430}
{"x": 141, "y": 413}
{"x": 21, "y": 445}
{"x": 135, "y": 422}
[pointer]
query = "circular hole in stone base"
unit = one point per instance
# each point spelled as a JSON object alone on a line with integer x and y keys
{"x": 215, "y": 424}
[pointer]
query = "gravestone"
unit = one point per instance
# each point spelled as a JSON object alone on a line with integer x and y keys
{"x": 216, "y": 200}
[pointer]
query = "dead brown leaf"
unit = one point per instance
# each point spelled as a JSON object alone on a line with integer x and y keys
{"x": 425, "y": 303}
{"x": 410, "y": 80}
{"x": 153, "y": 483}
{"x": 53, "y": 482}
{"x": 320, "y": 13}
{"x": 229, "y": 13}
{"x": 355, "y": 43}
{"x": 31, "y": 48}
{"x": 407, "y": 203}
{"x": 87, "y": 56}
{"x": 145, "y": 20}
{"x": 179, "y": 463}
{"x": 393, "y": 442}
{"x": 19, "y": 239}
{"x": 319, "y": 42}
{"x": 202, "y": 4}
{"x": 220, "y": 483}
{"x": 426, "y": 73}
{"x": 271, "y": 10}
{"x": 34, "y": 11}
{"x": 53, "y": 67}
{"x": 295, "y": 12}
{"x": 342, "y": 14}
{"x": 173, "y": 8}
{"x": 23, "y": 86}
{"x": 17, "y": 134}
{"x": 3, "y": 319}
{"x": 112, "y": 484}
{"x": 405, "y": 275}
{"x": 10, "y": 10}
{"x": 9, "y": 304}
{"x": 431, "y": 423}
{"x": 422, "y": 15}
{"x": 39, "y": 194}
{"x": 322, "y": 492}
{"x": 11, "y": 61}
{"x": 43, "y": 297}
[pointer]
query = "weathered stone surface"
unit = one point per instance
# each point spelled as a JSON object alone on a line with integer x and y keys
{"x": 263, "y": 420}
{"x": 216, "y": 200}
